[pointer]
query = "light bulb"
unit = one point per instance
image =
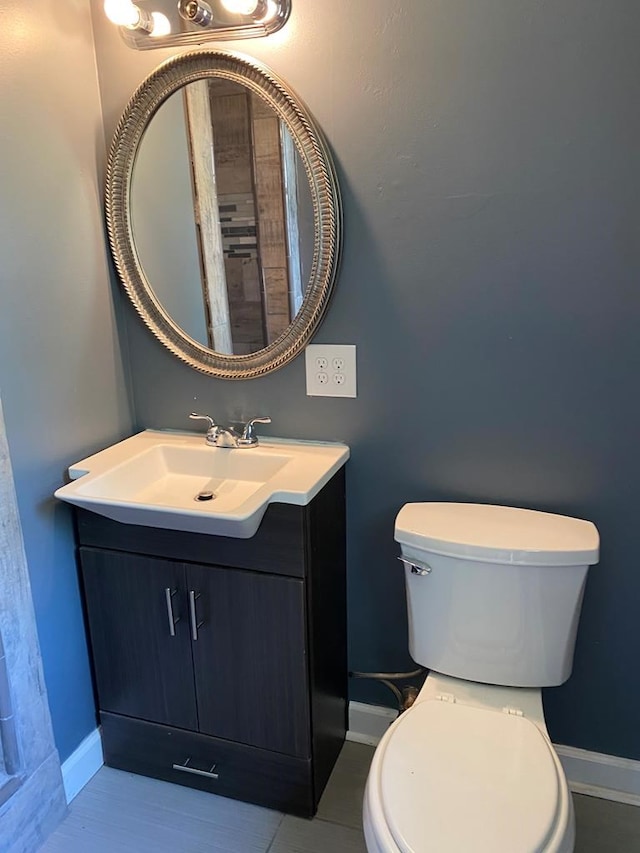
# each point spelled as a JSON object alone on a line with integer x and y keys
{"x": 161, "y": 25}
{"x": 241, "y": 7}
{"x": 123, "y": 13}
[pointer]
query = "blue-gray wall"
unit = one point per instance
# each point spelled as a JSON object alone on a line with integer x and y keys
{"x": 487, "y": 152}
{"x": 61, "y": 371}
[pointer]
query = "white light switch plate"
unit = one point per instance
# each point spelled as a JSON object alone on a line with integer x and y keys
{"x": 331, "y": 370}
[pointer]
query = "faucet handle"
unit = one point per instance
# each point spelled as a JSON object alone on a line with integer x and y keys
{"x": 196, "y": 417}
{"x": 213, "y": 430}
{"x": 249, "y": 436}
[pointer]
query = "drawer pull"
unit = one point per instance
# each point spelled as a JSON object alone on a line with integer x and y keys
{"x": 173, "y": 620}
{"x": 186, "y": 769}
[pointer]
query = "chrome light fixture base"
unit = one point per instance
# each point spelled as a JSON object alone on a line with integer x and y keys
{"x": 194, "y": 22}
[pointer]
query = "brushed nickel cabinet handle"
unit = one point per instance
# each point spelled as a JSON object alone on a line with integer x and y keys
{"x": 186, "y": 769}
{"x": 193, "y": 597}
{"x": 173, "y": 620}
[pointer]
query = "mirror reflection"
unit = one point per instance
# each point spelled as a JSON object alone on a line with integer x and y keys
{"x": 222, "y": 216}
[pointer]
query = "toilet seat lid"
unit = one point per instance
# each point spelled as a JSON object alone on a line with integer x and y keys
{"x": 455, "y": 777}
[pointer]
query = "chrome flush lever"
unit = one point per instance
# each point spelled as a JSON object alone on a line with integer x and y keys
{"x": 416, "y": 568}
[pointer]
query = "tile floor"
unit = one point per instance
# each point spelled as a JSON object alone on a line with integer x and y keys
{"x": 122, "y": 813}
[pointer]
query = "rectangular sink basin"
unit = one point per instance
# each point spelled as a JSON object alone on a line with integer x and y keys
{"x": 177, "y": 481}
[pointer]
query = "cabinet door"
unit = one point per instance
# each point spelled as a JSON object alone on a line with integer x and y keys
{"x": 250, "y": 658}
{"x": 142, "y": 664}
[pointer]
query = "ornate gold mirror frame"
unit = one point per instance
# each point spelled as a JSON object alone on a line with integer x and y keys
{"x": 327, "y": 214}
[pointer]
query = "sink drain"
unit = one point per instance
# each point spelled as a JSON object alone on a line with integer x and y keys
{"x": 204, "y": 496}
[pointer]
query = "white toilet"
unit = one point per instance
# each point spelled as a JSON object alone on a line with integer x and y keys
{"x": 494, "y": 597}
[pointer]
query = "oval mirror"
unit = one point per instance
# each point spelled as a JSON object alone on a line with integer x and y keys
{"x": 223, "y": 214}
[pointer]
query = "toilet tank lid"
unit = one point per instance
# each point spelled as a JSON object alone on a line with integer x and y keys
{"x": 497, "y": 534}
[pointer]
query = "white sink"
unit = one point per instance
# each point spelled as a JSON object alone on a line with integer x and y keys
{"x": 155, "y": 479}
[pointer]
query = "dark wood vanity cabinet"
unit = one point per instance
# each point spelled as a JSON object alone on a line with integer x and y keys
{"x": 220, "y": 663}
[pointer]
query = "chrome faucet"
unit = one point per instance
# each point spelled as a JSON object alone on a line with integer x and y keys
{"x": 220, "y": 436}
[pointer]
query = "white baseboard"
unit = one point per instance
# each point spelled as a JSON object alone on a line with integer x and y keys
{"x": 82, "y": 764}
{"x": 367, "y": 723}
{"x": 605, "y": 776}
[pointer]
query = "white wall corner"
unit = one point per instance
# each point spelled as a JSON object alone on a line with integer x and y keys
{"x": 82, "y": 764}
{"x": 605, "y": 776}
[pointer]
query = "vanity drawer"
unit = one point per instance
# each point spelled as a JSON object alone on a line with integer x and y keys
{"x": 277, "y": 547}
{"x": 269, "y": 779}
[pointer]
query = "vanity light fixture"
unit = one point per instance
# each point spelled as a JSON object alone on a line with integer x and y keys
{"x": 177, "y": 22}
{"x": 125, "y": 13}
{"x": 196, "y": 12}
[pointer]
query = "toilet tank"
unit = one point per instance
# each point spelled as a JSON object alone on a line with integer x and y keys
{"x": 494, "y": 593}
